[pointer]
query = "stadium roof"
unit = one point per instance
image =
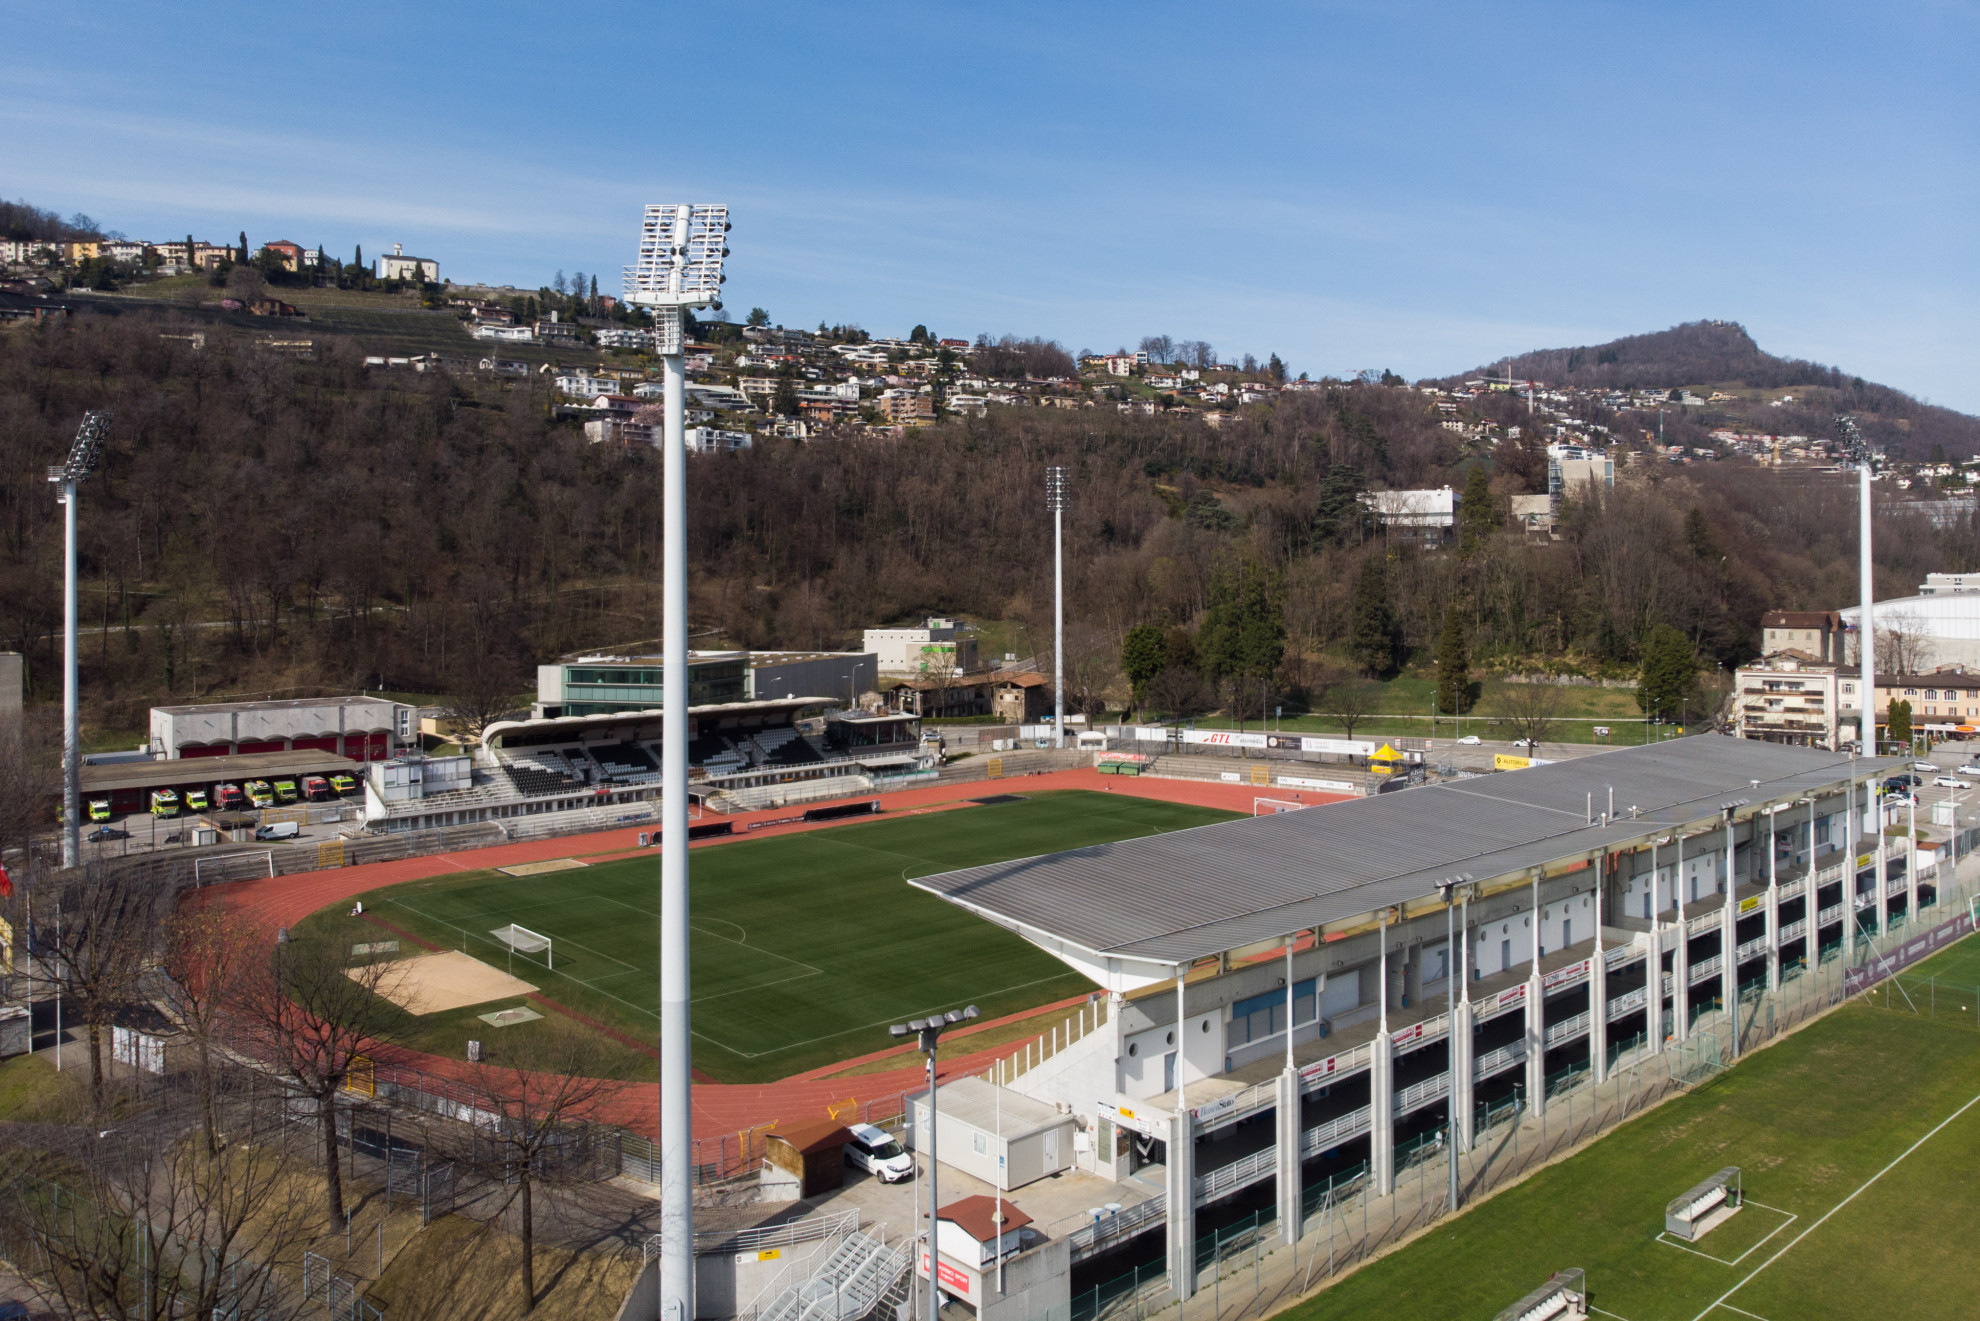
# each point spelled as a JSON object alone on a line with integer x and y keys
{"x": 1188, "y": 894}
{"x": 639, "y": 715}
{"x": 212, "y": 770}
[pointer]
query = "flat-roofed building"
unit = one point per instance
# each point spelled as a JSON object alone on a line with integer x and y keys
{"x": 361, "y": 728}
{"x": 1285, "y": 1003}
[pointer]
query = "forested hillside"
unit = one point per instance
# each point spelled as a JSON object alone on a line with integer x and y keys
{"x": 264, "y": 524}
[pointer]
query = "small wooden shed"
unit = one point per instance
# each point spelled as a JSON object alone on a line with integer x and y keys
{"x": 813, "y": 1154}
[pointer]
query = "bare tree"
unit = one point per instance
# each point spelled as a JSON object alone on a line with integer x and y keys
{"x": 140, "y": 1222}
{"x": 95, "y": 934}
{"x": 1179, "y": 693}
{"x": 1530, "y": 708}
{"x": 1352, "y": 703}
{"x": 207, "y": 949}
{"x": 1904, "y": 643}
{"x": 309, "y": 1013}
{"x": 484, "y": 691}
{"x": 30, "y": 776}
{"x": 539, "y": 1090}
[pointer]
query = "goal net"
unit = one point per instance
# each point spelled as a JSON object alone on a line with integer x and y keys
{"x": 524, "y": 941}
{"x": 1273, "y": 806}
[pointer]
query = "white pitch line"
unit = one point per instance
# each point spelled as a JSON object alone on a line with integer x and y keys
{"x": 1791, "y": 1218}
{"x": 1720, "y": 1301}
{"x": 1743, "y": 1312}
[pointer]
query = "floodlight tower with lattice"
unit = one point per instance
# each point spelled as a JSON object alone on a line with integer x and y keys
{"x": 681, "y": 250}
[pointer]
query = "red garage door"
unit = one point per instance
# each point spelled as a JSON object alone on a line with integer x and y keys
{"x": 203, "y": 750}
{"x": 364, "y": 747}
{"x": 245, "y": 748}
{"x": 314, "y": 744}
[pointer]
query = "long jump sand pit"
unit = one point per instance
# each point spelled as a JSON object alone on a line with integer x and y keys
{"x": 435, "y": 983}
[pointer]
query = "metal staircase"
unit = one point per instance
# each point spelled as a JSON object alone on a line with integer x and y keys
{"x": 859, "y": 1275}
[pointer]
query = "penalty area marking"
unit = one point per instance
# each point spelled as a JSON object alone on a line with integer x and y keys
{"x": 1720, "y": 1301}
{"x": 1670, "y": 1242}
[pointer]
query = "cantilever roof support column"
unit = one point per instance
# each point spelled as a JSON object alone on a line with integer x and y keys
{"x": 1598, "y": 983}
{"x": 1382, "y": 1080}
{"x": 1181, "y": 1181}
{"x": 1729, "y": 935}
{"x": 1536, "y": 1017}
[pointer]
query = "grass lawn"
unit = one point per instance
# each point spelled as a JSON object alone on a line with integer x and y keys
{"x": 1857, "y": 1150}
{"x": 805, "y": 946}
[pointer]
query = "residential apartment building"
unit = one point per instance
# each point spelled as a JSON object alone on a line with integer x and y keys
{"x": 1787, "y": 697}
{"x": 906, "y": 407}
{"x": 1943, "y": 702}
{"x": 1816, "y": 633}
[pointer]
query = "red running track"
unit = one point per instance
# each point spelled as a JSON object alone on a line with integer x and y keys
{"x": 727, "y": 1108}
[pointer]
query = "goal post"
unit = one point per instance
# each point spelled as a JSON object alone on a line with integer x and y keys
{"x": 1274, "y": 806}
{"x": 521, "y": 940}
{"x": 245, "y": 866}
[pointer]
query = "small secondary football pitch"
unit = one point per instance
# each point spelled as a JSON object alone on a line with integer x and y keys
{"x": 805, "y": 946}
{"x": 1858, "y": 1139}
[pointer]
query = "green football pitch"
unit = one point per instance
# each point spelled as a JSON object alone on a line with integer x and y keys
{"x": 805, "y": 945}
{"x": 1858, "y": 1139}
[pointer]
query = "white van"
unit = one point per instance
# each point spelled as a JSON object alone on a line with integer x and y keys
{"x": 278, "y": 830}
{"x": 879, "y": 1153}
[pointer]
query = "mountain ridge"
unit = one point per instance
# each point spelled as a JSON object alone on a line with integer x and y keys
{"x": 1723, "y": 356}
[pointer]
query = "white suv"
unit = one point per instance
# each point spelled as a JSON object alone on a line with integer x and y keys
{"x": 876, "y": 1151}
{"x": 1952, "y": 782}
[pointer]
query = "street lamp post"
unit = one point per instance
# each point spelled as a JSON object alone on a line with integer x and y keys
{"x": 1055, "y": 500}
{"x": 929, "y": 1030}
{"x": 681, "y": 249}
{"x": 67, "y": 477}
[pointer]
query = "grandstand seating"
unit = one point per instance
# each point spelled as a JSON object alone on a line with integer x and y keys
{"x": 541, "y": 775}
{"x": 627, "y": 763}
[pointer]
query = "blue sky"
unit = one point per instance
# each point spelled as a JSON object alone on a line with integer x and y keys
{"x": 1421, "y": 187}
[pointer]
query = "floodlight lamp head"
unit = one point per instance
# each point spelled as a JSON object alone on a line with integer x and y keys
{"x": 681, "y": 250}
{"x": 899, "y": 1030}
{"x": 86, "y": 450}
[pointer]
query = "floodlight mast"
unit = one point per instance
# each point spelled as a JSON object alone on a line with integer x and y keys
{"x": 681, "y": 249}
{"x": 1055, "y": 500}
{"x": 67, "y": 477}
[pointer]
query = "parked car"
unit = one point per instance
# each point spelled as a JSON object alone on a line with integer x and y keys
{"x": 1471, "y": 740}
{"x": 879, "y": 1153}
{"x": 107, "y": 832}
{"x": 1952, "y": 782}
{"x": 1899, "y": 783}
{"x": 1971, "y": 768}
{"x": 1929, "y": 767}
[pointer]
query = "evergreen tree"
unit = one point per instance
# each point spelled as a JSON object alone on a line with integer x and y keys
{"x": 1478, "y": 516}
{"x": 1897, "y": 727}
{"x": 1144, "y": 654}
{"x": 1667, "y": 684}
{"x": 1276, "y": 368}
{"x": 1244, "y": 630}
{"x": 1372, "y": 620}
{"x": 1453, "y": 665}
{"x": 758, "y": 317}
{"x": 1698, "y": 535}
{"x": 1338, "y": 514}
{"x": 243, "y": 256}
